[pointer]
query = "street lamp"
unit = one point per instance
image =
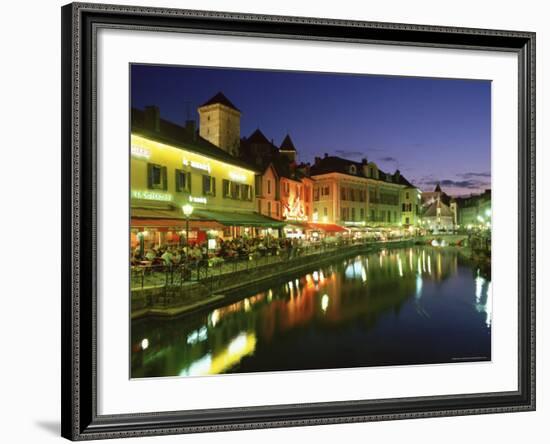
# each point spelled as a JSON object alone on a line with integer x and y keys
{"x": 187, "y": 211}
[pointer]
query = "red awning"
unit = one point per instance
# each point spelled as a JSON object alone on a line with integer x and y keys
{"x": 328, "y": 228}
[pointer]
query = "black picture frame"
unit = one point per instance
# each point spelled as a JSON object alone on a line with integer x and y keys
{"x": 79, "y": 174}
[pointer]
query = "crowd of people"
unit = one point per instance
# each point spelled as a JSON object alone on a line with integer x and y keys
{"x": 239, "y": 248}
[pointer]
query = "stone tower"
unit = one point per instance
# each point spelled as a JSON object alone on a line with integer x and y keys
{"x": 220, "y": 123}
{"x": 288, "y": 149}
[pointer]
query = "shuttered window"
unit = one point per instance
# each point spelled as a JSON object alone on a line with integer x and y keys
{"x": 157, "y": 177}
{"x": 183, "y": 181}
{"x": 208, "y": 185}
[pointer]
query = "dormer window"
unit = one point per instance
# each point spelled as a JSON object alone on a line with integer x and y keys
{"x": 352, "y": 169}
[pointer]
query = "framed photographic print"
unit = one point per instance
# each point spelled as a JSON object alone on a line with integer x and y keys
{"x": 278, "y": 221}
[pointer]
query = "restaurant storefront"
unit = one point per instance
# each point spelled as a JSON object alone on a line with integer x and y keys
{"x": 156, "y": 228}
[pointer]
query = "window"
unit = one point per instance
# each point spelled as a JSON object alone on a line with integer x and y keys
{"x": 407, "y": 222}
{"x": 245, "y": 192}
{"x": 235, "y": 190}
{"x": 362, "y": 213}
{"x": 278, "y": 210}
{"x": 286, "y": 188}
{"x": 343, "y": 193}
{"x": 372, "y": 196}
{"x": 316, "y": 194}
{"x": 208, "y": 185}
{"x": 226, "y": 188}
{"x": 183, "y": 181}
{"x": 353, "y": 213}
{"x": 407, "y": 195}
{"x": 156, "y": 177}
{"x": 352, "y": 169}
{"x": 327, "y": 191}
{"x": 325, "y": 212}
{"x": 268, "y": 186}
{"x": 372, "y": 215}
{"x": 269, "y": 208}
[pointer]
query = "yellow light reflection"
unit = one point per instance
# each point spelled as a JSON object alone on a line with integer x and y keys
{"x": 213, "y": 364}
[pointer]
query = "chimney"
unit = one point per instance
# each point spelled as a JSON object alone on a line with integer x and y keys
{"x": 397, "y": 174}
{"x": 152, "y": 118}
{"x": 364, "y": 161}
{"x": 317, "y": 160}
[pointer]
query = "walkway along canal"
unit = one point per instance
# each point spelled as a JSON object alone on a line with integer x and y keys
{"x": 164, "y": 291}
{"x": 392, "y": 306}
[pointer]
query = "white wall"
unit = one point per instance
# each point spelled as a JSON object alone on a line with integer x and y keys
{"x": 30, "y": 217}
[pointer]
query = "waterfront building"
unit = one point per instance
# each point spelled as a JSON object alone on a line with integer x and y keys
{"x": 267, "y": 193}
{"x": 438, "y": 210}
{"x": 356, "y": 194}
{"x": 411, "y": 204}
{"x": 438, "y": 216}
{"x": 474, "y": 210}
{"x": 173, "y": 165}
{"x": 283, "y": 187}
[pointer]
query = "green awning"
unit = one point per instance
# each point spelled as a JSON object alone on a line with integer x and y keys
{"x": 235, "y": 219}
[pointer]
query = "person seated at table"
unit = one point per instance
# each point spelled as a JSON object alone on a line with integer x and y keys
{"x": 176, "y": 257}
{"x": 150, "y": 255}
{"x": 196, "y": 253}
{"x": 167, "y": 257}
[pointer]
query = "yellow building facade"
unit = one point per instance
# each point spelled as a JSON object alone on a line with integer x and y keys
{"x": 172, "y": 175}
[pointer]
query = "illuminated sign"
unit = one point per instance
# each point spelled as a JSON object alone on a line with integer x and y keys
{"x": 238, "y": 177}
{"x": 197, "y": 165}
{"x": 151, "y": 195}
{"x": 197, "y": 199}
{"x": 141, "y": 153}
{"x": 294, "y": 210}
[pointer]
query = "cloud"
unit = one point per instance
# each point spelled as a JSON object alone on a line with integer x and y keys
{"x": 350, "y": 153}
{"x": 470, "y": 184}
{"x": 471, "y": 175}
{"x": 388, "y": 159}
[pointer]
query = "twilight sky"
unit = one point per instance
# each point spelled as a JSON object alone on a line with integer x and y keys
{"x": 432, "y": 130}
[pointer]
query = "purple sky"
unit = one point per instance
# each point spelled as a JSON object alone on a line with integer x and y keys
{"x": 433, "y": 130}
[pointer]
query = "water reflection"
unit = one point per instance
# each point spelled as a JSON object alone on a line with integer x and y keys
{"x": 383, "y": 308}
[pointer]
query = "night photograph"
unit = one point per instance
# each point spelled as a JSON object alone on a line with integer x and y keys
{"x": 286, "y": 220}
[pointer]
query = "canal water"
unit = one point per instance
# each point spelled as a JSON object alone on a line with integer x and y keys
{"x": 407, "y": 306}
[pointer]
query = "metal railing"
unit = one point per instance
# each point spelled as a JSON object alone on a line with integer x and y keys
{"x": 143, "y": 276}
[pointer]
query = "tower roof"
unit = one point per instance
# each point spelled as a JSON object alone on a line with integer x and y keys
{"x": 437, "y": 188}
{"x": 222, "y": 100}
{"x": 258, "y": 137}
{"x": 287, "y": 144}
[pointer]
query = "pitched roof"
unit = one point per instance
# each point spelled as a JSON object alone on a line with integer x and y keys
{"x": 431, "y": 211}
{"x": 334, "y": 164}
{"x": 287, "y": 144}
{"x": 258, "y": 137}
{"x": 222, "y": 100}
{"x": 403, "y": 181}
{"x": 183, "y": 138}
